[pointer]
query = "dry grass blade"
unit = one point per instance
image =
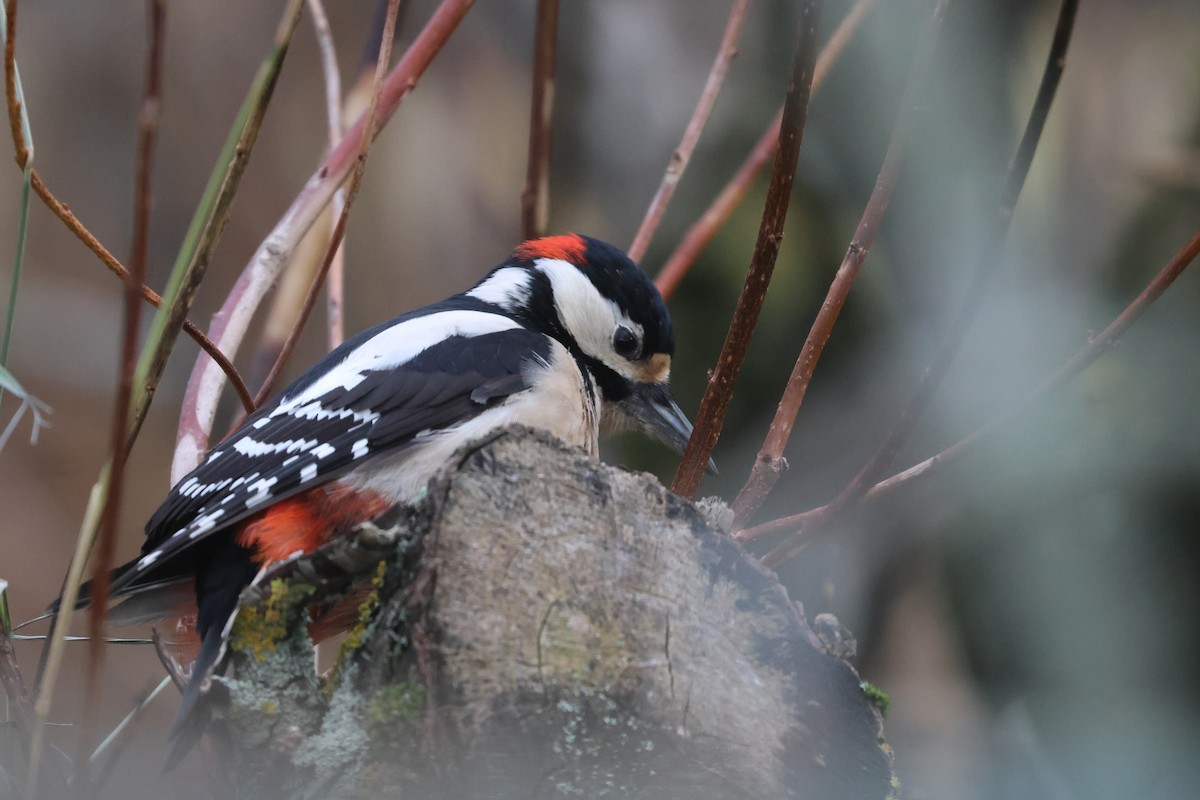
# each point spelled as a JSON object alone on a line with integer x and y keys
{"x": 691, "y": 134}
{"x": 711, "y": 417}
{"x": 717, "y": 214}
{"x": 769, "y": 464}
{"x": 535, "y": 196}
{"x": 189, "y": 268}
{"x": 807, "y": 524}
{"x": 230, "y": 323}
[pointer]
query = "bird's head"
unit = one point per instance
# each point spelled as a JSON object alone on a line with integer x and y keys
{"x": 591, "y": 297}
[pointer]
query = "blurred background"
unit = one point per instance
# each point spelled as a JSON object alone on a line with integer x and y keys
{"x": 1031, "y": 611}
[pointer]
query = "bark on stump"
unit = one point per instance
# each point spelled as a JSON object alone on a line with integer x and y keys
{"x": 544, "y": 625}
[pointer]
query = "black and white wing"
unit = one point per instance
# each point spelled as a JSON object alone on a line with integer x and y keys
{"x": 370, "y": 397}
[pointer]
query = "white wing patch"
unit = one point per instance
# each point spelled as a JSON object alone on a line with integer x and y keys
{"x": 283, "y": 467}
{"x": 507, "y": 288}
{"x": 392, "y": 347}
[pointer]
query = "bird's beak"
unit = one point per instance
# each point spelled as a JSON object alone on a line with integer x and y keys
{"x": 655, "y": 411}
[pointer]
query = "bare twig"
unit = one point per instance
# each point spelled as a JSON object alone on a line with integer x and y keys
{"x": 20, "y": 146}
{"x": 769, "y": 464}
{"x": 230, "y": 323}
{"x": 984, "y": 272}
{"x": 106, "y": 546}
{"x": 190, "y": 265}
{"x": 152, "y": 297}
{"x": 24, "y": 152}
{"x": 118, "y": 738}
{"x": 808, "y": 524}
{"x": 711, "y": 417}
{"x": 691, "y": 134}
{"x": 339, "y": 228}
{"x": 535, "y": 196}
{"x": 717, "y": 214}
{"x": 335, "y": 285}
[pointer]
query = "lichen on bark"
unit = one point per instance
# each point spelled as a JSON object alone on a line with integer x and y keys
{"x": 549, "y": 626}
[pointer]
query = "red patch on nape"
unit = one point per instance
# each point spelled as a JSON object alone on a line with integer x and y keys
{"x": 308, "y": 520}
{"x": 569, "y": 247}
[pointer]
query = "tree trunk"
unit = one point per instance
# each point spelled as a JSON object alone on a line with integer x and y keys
{"x": 543, "y": 625}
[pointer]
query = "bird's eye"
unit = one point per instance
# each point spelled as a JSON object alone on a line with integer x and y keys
{"x": 626, "y": 343}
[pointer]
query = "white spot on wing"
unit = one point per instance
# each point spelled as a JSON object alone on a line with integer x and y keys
{"x": 308, "y": 473}
{"x": 205, "y": 523}
{"x": 360, "y": 449}
{"x": 323, "y": 451}
{"x": 262, "y": 492}
{"x": 252, "y": 447}
{"x": 507, "y": 288}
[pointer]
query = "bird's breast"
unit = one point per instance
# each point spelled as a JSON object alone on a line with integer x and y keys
{"x": 561, "y": 399}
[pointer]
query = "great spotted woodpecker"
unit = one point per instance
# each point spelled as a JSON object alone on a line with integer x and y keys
{"x": 567, "y": 335}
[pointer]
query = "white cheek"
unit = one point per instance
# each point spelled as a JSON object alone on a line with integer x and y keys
{"x": 587, "y": 315}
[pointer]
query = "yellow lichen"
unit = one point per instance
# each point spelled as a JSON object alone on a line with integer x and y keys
{"x": 354, "y": 638}
{"x": 260, "y": 627}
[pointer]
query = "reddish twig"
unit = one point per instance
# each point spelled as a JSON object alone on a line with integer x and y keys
{"x": 152, "y": 297}
{"x": 230, "y": 323}
{"x": 335, "y": 285}
{"x": 339, "y": 228}
{"x": 535, "y": 196}
{"x": 993, "y": 241}
{"x": 20, "y": 146}
{"x": 711, "y": 417}
{"x": 106, "y": 546}
{"x": 808, "y": 524}
{"x": 691, "y": 134}
{"x": 717, "y": 214}
{"x": 769, "y": 464}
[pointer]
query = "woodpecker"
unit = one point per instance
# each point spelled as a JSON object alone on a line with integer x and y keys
{"x": 567, "y": 335}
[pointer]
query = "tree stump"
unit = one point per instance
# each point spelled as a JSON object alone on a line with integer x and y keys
{"x": 543, "y": 625}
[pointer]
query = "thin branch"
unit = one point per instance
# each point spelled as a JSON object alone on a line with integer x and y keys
{"x": 984, "y": 273}
{"x": 23, "y": 141}
{"x": 809, "y": 523}
{"x": 107, "y": 544}
{"x": 230, "y": 323}
{"x": 118, "y": 739}
{"x": 535, "y": 196}
{"x": 717, "y": 214}
{"x": 711, "y": 417}
{"x": 770, "y": 464}
{"x": 335, "y": 286}
{"x": 339, "y": 228}
{"x": 152, "y": 297}
{"x": 190, "y": 265}
{"x": 16, "y": 113}
{"x": 691, "y": 134}
{"x": 208, "y": 224}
